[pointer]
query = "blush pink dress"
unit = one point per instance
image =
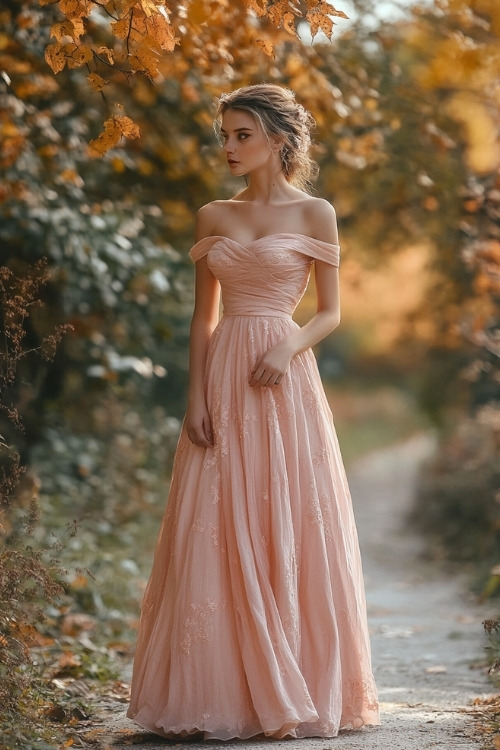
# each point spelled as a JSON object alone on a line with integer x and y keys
{"x": 254, "y": 618}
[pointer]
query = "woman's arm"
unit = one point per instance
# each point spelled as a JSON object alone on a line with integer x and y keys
{"x": 275, "y": 362}
{"x": 204, "y": 321}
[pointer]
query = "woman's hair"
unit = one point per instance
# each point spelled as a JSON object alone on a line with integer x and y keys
{"x": 275, "y": 108}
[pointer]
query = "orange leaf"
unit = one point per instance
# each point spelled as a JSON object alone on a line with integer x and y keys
{"x": 106, "y": 52}
{"x": 74, "y": 29}
{"x": 145, "y": 59}
{"x": 128, "y": 127}
{"x": 266, "y": 46}
{"x": 150, "y": 7}
{"x": 318, "y": 21}
{"x": 55, "y": 57}
{"x": 75, "y": 8}
{"x": 77, "y": 54}
{"x": 114, "y": 128}
{"x": 161, "y": 31}
{"x": 259, "y": 7}
{"x": 104, "y": 141}
{"x": 289, "y": 24}
{"x": 121, "y": 28}
{"x": 325, "y": 8}
{"x": 96, "y": 81}
{"x": 280, "y": 15}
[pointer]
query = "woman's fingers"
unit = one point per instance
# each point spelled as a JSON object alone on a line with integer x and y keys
{"x": 263, "y": 377}
{"x": 202, "y": 437}
{"x": 207, "y": 432}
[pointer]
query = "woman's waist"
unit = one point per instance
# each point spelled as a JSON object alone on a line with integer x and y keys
{"x": 270, "y": 313}
{"x": 257, "y": 308}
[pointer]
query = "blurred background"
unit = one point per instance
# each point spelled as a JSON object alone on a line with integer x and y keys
{"x": 406, "y": 100}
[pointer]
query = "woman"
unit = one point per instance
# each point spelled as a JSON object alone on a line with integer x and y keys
{"x": 254, "y": 618}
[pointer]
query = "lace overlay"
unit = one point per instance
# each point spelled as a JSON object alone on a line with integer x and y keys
{"x": 195, "y": 626}
{"x": 254, "y": 617}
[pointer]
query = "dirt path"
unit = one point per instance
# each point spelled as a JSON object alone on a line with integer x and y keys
{"x": 425, "y": 632}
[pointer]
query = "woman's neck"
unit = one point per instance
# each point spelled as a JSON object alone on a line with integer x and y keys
{"x": 266, "y": 188}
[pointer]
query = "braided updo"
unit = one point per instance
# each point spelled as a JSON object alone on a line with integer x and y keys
{"x": 275, "y": 108}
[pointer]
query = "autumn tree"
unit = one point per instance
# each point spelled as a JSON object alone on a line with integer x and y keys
{"x": 464, "y": 67}
{"x": 160, "y": 40}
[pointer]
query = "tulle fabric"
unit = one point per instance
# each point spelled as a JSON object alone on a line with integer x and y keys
{"x": 254, "y": 617}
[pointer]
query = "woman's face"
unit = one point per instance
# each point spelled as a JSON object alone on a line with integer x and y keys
{"x": 246, "y": 145}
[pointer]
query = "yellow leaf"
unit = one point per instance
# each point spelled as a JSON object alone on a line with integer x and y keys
{"x": 75, "y": 8}
{"x": 74, "y": 29}
{"x": 127, "y": 126}
{"x": 78, "y": 28}
{"x": 114, "y": 128}
{"x": 104, "y": 141}
{"x": 259, "y": 7}
{"x": 163, "y": 33}
{"x": 106, "y": 52}
{"x": 145, "y": 60}
{"x": 150, "y": 7}
{"x": 325, "y": 8}
{"x": 319, "y": 22}
{"x": 59, "y": 30}
{"x": 77, "y": 54}
{"x": 96, "y": 81}
{"x": 160, "y": 30}
{"x": 128, "y": 5}
{"x": 266, "y": 46}
{"x": 121, "y": 28}
{"x": 55, "y": 57}
{"x": 289, "y": 24}
{"x": 280, "y": 14}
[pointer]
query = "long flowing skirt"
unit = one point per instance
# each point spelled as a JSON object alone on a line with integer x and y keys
{"x": 254, "y": 618}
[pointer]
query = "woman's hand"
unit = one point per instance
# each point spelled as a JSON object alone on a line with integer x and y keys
{"x": 272, "y": 366}
{"x": 199, "y": 426}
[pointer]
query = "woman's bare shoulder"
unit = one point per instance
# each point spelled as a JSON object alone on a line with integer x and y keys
{"x": 322, "y": 220}
{"x": 212, "y": 216}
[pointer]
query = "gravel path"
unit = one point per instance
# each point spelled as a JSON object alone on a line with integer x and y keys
{"x": 426, "y": 632}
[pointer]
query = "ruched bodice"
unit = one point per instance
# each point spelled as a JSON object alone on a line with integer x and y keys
{"x": 265, "y": 277}
{"x": 254, "y": 618}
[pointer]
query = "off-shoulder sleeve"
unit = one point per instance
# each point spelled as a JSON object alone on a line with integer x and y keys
{"x": 320, "y": 250}
{"x": 201, "y": 248}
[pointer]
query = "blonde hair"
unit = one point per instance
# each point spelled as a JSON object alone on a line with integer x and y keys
{"x": 279, "y": 114}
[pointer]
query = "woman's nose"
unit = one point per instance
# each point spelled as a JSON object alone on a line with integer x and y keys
{"x": 229, "y": 146}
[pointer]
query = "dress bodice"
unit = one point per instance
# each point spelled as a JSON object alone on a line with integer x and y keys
{"x": 267, "y": 276}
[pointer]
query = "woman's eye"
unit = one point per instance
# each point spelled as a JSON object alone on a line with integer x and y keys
{"x": 243, "y": 136}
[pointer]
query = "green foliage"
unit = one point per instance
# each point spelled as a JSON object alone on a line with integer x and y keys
{"x": 457, "y": 505}
{"x": 29, "y": 573}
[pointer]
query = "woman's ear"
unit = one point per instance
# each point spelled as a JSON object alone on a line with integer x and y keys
{"x": 276, "y": 143}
